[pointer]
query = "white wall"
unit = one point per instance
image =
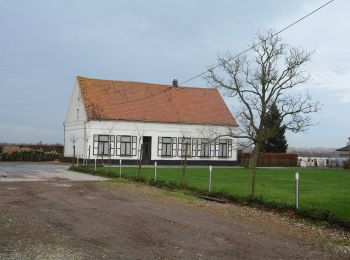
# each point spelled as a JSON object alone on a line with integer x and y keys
{"x": 74, "y": 125}
{"x": 76, "y": 102}
{"x": 146, "y": 129}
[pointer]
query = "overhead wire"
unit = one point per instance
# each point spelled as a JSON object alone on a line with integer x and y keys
{"x": 235, "y": 56}
{"x": 257, "y": 44}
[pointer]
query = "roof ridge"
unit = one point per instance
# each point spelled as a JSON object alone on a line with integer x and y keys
{"x": 147, "y": 83}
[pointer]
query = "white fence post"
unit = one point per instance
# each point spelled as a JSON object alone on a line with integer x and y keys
{"x": 120, "y": 168}
{"x": 155, "y": 171}
{"x": 95, "y": 164}
{"x": 77, "y": 161}
{"x": 297, "y": 190}
{"x": 210, "y": 170}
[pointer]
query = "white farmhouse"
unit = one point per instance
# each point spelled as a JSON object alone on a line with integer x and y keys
{"x": 109, "y": 119}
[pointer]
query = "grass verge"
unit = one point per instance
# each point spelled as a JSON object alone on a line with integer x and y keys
{"x": 195, "y": 187}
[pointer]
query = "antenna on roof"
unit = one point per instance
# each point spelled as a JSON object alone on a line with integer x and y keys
{"x": 175, "y": 83}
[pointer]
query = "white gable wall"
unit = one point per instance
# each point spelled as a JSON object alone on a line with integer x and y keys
{"x": 76, "y": 104}
{"x": 74, "y": 124}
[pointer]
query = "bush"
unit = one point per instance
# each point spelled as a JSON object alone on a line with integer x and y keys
{"x": 347, "y": 165}
{"x": 25, "y": 155}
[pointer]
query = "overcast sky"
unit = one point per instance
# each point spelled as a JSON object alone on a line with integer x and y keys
{"x": 44, "y": 45}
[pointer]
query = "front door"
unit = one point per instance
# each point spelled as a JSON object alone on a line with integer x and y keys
{"x": 147, "y": 148}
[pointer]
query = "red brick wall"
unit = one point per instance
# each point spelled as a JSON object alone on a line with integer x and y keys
{"x": 271, "y": 159}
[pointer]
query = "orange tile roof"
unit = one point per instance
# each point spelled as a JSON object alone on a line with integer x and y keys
{"x": 135, "y": 101}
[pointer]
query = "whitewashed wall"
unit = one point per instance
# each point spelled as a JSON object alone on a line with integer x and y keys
{"x": 142, "y": 129}
{"x": 74, "y": 125}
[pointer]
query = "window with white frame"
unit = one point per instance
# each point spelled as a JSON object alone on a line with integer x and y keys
{"x": 103, "y": 145}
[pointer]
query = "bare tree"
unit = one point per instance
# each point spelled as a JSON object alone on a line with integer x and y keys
{"x": 272, "y": 76}
{"x": 109, "y": 132}
{"x": 73, "y": 139}
{"x": 185, "y": 143}
{"x": 86, "y": 151}
{"x": 140, "y": 134}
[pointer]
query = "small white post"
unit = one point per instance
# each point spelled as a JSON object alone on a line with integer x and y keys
{"x": 155, "y": 171}
{"x": 95, "y": 164}
{"x": 120, "y": 168}
{"x": 210, "y": 170}
{"x": 297, "y": 190}
{"x": 77, "y": 161}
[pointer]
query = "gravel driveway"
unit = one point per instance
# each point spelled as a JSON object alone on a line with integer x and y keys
{"x": 105, "y": 220}
{"x": 14, "y": 171}
{"x": 62, "y": 217}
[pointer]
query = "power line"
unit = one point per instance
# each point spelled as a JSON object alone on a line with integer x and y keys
{"x": 257, "y": 44}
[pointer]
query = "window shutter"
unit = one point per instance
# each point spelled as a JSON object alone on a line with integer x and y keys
{"x": 217, "y": 141}
{"x": 118, "y": 145}
{"x": 95, "y": 145}
{"x": 179, "y": 152}
{"x": 194, "y": 147}
{"x": 174, "y": 144}
{"x": 199, "y": 147}
{"x": 212, "y": 148}
{"x": 112, "y": 144}
{"x": 159, "y": 146}
{"x": 229, "y": 148}
{"x": 134, "y": 145}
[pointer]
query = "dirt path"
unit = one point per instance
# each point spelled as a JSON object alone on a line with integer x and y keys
{"x": 94, "y": 220}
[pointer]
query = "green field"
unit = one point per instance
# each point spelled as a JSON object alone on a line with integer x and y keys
{"x": 325, "y": 189}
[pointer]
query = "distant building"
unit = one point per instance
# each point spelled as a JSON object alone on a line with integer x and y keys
{"x": 344, "y": 152}
{"x": 164, "y": 123}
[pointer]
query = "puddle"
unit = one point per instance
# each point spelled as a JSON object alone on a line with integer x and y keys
{"x": 61, "y": 185}
{"x": 11, "y": 188}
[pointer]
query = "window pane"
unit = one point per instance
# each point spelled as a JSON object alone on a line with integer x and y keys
{"x": 126, "y": 139}
{"x": 106, "y": 149}
{"x": 103, "y": 138}
{"x": 186, "y": 143}
{"x": 205, "y": 148}
{"x": 166, "y": 140}
{"x": 128, "y": 149}
{"x": 100, "y": 148}
{"x": 187, "y": 140}
{"x": 122, "y": 149}
{"x": 222, "y": 150}
{"x": 222, "y": 141}
{"x": 166, "y": 149}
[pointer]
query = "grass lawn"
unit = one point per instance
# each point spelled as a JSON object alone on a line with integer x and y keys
{"x": 327, "y": 189}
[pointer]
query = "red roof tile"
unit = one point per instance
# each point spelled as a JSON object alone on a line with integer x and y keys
{"x": 135, "y": 101}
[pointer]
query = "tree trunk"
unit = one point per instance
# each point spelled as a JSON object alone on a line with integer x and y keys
{"x": 252, "y": 167}
{"x": 140, "y": 162}
{"x": 182, "y": 180}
